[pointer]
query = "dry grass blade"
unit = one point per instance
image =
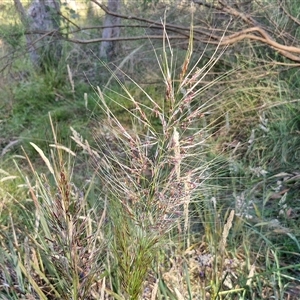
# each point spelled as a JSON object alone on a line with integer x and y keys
{"x": 43, "y": 156}
{"x": 225, "y": 233}
{"x": 62, "y": 147}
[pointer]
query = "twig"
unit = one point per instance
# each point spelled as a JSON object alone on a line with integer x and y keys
{"x": 8, "y": 146}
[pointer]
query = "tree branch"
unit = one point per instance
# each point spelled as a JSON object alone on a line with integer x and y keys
{"x": 286, "y": 51}
{"x": 130, "y": 38}
{"x": 256, "y": 32}
{"x": 249, "y": 33}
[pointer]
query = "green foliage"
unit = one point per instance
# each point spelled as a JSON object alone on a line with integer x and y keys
{"x": 149, "y": 3}
{"x": 134, "y": 249}
{"x": 71, "y": 13}
{"x": 185, "y": 188}
{"x": 12, "y": 35}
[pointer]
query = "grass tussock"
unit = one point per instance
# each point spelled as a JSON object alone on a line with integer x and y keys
{"x": 160, "y": 216}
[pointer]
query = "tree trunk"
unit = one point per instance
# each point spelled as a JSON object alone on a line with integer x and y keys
{"x": 42, "y": 15}
{"x": 108, "y": 48}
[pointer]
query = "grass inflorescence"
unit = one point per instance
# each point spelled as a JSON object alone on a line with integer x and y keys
{"x": 174, "y": 205}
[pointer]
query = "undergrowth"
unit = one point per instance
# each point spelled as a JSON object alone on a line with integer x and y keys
{"x": 178, "y": 205}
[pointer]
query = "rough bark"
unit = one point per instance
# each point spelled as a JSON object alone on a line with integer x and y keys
{"x": 42, "y": 15}
{"x": 111, "y": 30}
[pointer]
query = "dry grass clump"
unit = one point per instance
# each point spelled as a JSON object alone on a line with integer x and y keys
{"x": 148, "y": 224}
{"x": 149, "y": 173}
{"x": 58, "y": 255}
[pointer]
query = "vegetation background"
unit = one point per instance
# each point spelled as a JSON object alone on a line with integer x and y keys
{"x": 149, "y": 149}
